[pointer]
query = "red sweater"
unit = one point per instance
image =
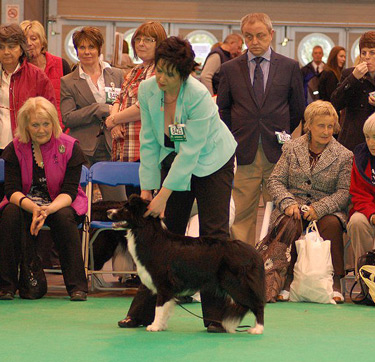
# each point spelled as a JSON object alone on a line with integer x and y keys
{"x": 28, "y": 81}
{"x": 361, "y": 188}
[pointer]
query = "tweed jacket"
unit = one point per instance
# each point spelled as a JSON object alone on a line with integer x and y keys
{"x": 325, "y": 188}
{"x": 81, "y": 113}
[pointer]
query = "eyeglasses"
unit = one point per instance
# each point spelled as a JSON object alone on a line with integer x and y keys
{"x": 145, "y": 40}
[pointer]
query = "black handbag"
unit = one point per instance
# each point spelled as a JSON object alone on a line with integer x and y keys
{"x": 364, "y": 297}
{"x": 32, "y": 280}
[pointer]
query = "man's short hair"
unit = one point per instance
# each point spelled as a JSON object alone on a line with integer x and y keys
{"x": 255, "y": 17}
{"x": 233, "y": 37}
{"x": 317, "y": 46}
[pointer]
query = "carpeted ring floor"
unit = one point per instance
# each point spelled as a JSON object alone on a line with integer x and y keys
{"x": 55, "y": 329}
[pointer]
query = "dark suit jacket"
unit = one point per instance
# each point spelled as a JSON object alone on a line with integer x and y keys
{"x": 352, "y": 95}
{"x": 282, "y": 108}
{"x": 79, "y": 109}
{"x": 307, "y": 70}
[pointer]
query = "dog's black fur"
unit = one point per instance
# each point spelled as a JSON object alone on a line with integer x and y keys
{"x": 181, "y": 265}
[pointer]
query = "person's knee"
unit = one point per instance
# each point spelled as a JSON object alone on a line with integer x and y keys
{"x": 63, "y": 216}
{"x": 357, "y": 222}
{"x": 11, "y": 215}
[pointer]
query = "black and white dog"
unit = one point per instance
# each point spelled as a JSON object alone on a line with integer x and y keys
{"x": 172, "y": 265}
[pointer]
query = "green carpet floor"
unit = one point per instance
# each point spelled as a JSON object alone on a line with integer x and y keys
{"x": 55, "y": 329}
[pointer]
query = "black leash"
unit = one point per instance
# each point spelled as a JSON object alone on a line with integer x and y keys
{"x": 211, "y": 320}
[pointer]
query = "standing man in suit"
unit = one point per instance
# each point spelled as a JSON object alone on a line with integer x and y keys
{"x": 87, "y": 95}
{"x": 311, "y": 73}
{"x": 260, "y": 94}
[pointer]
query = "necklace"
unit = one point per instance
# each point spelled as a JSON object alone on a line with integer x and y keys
{"x": 163, "y": 101}
{"x": 41, "y": 163}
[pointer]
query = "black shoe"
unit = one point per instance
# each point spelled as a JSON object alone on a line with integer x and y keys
{"x": 184, "y": 299}
{"x": 215, "y": 327}
{"x": 78, "y": 296}
{"x": 5, "y": 295}
{"x": 129, "y": 322}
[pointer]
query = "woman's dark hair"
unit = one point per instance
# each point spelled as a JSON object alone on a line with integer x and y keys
{"x": 91, "y": 34}
{"x": 332, "y": 61}
{"x": 13, "y": 34}
{"x": 177, "y": 54}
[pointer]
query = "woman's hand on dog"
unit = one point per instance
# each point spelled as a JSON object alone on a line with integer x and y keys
{"x": 157, "y": 205}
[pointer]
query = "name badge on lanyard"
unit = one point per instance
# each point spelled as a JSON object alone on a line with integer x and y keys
{"x": 177, "y": 132}
{"x": 111, "y": 93}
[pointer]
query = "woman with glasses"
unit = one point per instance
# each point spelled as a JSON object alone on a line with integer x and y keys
{"x": 19, "y": 81}
{"x": 87, "y": 95}
{"x": 125, "y": 119}
{"x": 355, "y": 93}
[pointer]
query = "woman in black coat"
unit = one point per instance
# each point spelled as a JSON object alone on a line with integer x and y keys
{"x": 331, "y": 74}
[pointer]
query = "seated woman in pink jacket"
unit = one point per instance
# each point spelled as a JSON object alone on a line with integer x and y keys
{"x": 42, "y": 173}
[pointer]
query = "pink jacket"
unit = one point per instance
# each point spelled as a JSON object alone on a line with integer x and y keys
{"x": 54, "y": 71}
{"x": 56, "y": 154}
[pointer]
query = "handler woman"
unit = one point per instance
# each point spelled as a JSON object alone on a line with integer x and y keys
{"x": 42, "y": 173}
{"x": 187, "y": 153}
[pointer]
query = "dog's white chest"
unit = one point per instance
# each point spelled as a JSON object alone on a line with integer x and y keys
{"x": 142, "y": 272}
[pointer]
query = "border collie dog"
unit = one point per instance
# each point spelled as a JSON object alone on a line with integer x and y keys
{"x": 171, "y": 265}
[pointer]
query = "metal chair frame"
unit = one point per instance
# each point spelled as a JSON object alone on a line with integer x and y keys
{"x": 110, "y": 174}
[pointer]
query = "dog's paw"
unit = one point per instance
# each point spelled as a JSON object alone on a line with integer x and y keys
{"x": 258, "y": 329}
{"x": 156, "y": 328}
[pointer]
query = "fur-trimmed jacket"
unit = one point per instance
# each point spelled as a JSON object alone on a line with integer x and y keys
{"x": 325, "y": 188}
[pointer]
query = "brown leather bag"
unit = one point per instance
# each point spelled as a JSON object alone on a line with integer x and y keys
{"x": 275, "y": 251}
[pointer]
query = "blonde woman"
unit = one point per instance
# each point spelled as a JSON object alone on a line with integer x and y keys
{"x": 314, "y": 170}
{"x": 42, "y": 173}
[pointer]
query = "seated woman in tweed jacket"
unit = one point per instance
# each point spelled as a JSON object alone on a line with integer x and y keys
{"x": 314, "y": 170}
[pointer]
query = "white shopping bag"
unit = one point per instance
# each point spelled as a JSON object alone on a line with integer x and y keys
{"x": 313, "y": 271}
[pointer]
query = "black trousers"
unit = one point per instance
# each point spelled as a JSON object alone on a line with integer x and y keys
{"x": 213, "y": 194}
{"x": 65, "y": 235}
{"x": 1, "y": 183}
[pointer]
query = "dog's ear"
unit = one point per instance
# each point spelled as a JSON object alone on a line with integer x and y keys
{"x": 138, "y": 204}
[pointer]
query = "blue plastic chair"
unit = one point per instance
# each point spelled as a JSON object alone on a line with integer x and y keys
{"x": 110, "y": 174}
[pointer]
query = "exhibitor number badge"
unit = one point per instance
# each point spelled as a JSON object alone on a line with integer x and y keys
{"x": 177, "y": 132}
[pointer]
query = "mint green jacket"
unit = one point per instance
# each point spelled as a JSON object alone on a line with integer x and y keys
{"x": 209, "y": 143}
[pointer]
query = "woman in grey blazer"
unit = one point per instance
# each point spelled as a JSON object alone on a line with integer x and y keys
{"x": 87, "y": 95}
{"x": 314, "y": 170}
